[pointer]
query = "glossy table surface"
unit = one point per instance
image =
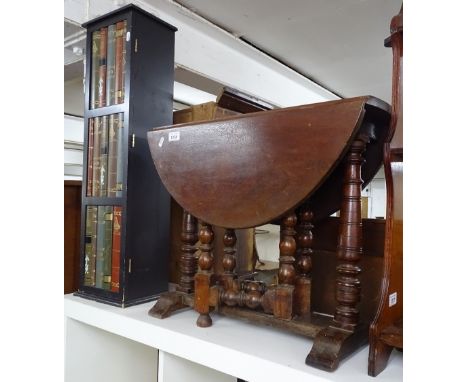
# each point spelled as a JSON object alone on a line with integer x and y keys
{"x": 248, "y": 170}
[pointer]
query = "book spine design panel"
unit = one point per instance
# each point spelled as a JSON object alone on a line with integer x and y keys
{"x": 97, "y": 137}
{"x": 89, "y": 174}
{"x": 100, "y": 245}
{"x": 102, "y": 67}
{"x": 104, "y": 147}
{"x": 112, "y": 157}
{"x": 115, "y": 279}
{"x": 107, "y": 253}
{"x": 90, "y": 246}
{"x": 110, "y": 85}
{"x": 96, "y": 46}
{"x": 120, "y": 146}
{"x": 124, "y": 60}
{"x": 119, "y": 47}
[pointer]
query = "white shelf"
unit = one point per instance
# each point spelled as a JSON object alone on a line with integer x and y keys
{"x": 253, "y": 353}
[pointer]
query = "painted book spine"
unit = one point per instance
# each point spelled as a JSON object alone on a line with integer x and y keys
{"x": 104, "y": 151}
{"x": 120, "y": 146}
{"x": 112, "y": 157}
{"x": 115, "y": 280}
{"x": 100, "y": 245}
{"x": 102, "y": 68}
{"x": 119, "y": 47}
{"x": 107, "y": 252}
{"x": 96, "y": 191}
{"x": 124, "y": 60}
{"x": 96, "y": 45}
{"x": 110, "y": 77}
{"x": 89, "y": 173}
{"x": 90, "y": 246}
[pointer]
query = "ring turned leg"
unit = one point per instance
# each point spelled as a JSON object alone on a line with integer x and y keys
{"x": 283, "y": 303}
{"x": 188, "y": 262}
{"x": 229, "y": 259}
{"x": 345, "y": 335}
{"x": 349, "y": 250}
{"x": 203, "y": 277}
{"x": 303, "y": 288}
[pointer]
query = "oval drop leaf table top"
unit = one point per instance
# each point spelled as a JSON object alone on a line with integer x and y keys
{"x": 248, "y": 170}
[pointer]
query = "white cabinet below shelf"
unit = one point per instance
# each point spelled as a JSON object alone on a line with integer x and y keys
{"x": 228, "y": 350}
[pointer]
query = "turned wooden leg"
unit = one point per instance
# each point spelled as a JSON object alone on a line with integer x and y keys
{"x": 203, "y": 277}
{"x": 345, "y": 335}
{"x": 229, "y": 259}
{"x": 303, "y": 288}
{"x": 349, "y": 251}
{"x": 188, "y": 262}
{"x": 287, "y": 273}
{"x": 287, "y": 247}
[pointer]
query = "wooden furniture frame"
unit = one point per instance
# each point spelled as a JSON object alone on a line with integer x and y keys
{"x": 386, "y": 331}
{"x": 309, "y": 162}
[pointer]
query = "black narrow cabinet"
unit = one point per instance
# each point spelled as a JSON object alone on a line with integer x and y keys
{"x": 124, "y": 252}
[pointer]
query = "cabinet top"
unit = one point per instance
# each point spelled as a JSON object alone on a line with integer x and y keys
{"x": 127, "y": 8}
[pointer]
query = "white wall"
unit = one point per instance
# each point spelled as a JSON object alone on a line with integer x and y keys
{"x": 74, "y": 97}
{"x": 377, "y": 194}
{"x": 267, "y": 242}
{"x": 92, "y": 354}
{"x": 377, "y": 202}
{"x": 73, "y": 130}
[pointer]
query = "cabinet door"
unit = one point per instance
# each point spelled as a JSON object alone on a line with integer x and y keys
{"x": 176, "y": 369}
{"x": 92, "y": 354}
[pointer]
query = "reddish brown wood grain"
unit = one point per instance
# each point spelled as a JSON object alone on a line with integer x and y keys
{"x": 203, "y": 276}
{"x": 72, "y": 221}
{"x": 188, "y": 262}
{"x": 349, "y": 250}
{"x": 245, "y": 237}
{"x": 386, "y": 331}
{"x": 302, "y": 288}
{"x": 258, "y": 166}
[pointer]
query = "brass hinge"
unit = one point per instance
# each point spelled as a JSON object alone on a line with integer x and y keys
{"x": 136, "y": 45}
{"x": 129, "y": 265}
{"x": 133, "y": 140}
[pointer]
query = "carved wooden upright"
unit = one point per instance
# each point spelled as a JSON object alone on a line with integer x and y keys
{"x": 283, "y": 305}
{"x": 345, "y": 332}
{"x": 203, "y": 276}
{"x": 229, "y": 259}
{"x": 188, "y": 262}
{"x": 386, "y": 331}
{"x": 348, "y": 286}
{"x": 302, "y": 290}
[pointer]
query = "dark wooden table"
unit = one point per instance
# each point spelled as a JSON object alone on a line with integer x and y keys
{"x": 295, "y": 166}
